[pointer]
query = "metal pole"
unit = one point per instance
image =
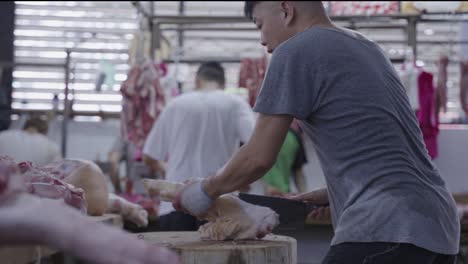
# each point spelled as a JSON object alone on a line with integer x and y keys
{"x": 412, "y": 35}
{"x": 153, "y": 45}
{"x": 180, "y": 32}
{"x": 66, "y": 104}
{"x": 151, "y": 14}
{"x": 180, "y": 37}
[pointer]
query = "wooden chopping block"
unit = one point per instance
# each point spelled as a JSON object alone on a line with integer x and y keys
{"x": 272, "y": 249}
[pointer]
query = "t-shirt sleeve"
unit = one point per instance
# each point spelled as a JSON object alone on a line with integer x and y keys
{"x": 245, "y": 121}
{"x": 157, "y": 142}
{"x": 291, "y": 85}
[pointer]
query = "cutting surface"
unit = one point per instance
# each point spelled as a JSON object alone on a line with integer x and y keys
{"x": 271, "y": 249}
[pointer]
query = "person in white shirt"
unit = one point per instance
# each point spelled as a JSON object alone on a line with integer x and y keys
{"x": 123, "y": 151}
{"x": 197, "y": 133}
{"x": 30, "y": 144}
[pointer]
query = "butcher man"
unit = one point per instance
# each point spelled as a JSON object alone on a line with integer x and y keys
{"x": 388, "y": 202}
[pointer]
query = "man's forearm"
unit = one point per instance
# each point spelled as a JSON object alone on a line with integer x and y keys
{"x": 244, "y": 168}
{"x": 317, "y": 197}
{"x": 320, "y": 196}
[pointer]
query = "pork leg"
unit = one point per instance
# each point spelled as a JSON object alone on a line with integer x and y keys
{"x": 228, "y": 219}
{"x": 129, "y": 211}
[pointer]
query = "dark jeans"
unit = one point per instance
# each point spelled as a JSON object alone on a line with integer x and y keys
{"x": 178, "y": 221}
{"x": 384, "y": 253}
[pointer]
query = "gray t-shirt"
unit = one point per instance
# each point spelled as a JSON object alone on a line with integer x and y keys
{"x": 382, "y": 184}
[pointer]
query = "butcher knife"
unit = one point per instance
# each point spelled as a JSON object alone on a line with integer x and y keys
{"x": 290, "y": 212}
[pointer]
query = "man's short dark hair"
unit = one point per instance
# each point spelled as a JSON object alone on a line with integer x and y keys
{"x": 249, "y": 7}
{"x": 212, "y": 71}
{"x": 39, "y": 124}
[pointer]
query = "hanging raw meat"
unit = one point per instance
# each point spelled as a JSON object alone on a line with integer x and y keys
{"x": 427, "y": 114}
{"x": 251, "y": 75}
{"x": 228, "y": 219}
{"x": 464, "y": 86}
{"x": 441, "y": 94}
{"x": 364, "y": 7}
{"x": 143, "y": 100}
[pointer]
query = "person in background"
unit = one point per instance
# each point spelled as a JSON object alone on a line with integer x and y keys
{"x": 290, "y": 162}
{"x": 31, "y": 143}
{"x": 196, "y": 134}
{"x": 388, "y": 201}
{"x": 135, "y": 169}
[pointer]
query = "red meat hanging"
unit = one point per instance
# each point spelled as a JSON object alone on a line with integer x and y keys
{"x": 143, "y": 100}
{"x": 251, "y": 75}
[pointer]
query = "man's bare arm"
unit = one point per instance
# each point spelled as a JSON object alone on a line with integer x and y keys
{"x": 317, "y": 197}
{"x": 253, "y": 159}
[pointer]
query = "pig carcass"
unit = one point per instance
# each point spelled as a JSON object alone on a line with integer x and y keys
{"x": 28, "y": 219}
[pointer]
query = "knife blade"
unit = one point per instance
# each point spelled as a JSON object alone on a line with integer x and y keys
{"x": 289, "y": 211}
